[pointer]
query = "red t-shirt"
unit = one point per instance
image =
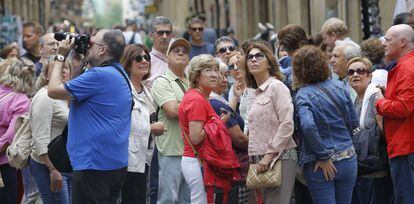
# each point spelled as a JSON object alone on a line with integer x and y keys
{"x": 193, "y": 107}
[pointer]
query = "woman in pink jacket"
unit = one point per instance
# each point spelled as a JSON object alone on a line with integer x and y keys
{"x": 16, "y": 84}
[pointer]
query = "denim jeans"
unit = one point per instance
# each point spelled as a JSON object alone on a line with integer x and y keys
{"x": 8, "y": 194}
{"x": 172, "y": 187}
{"x": 402, "y": 174}
{"x": 330, "y": 192}
{"x": 153, "y": 186}
{"x": 41, "y": 175}
{"x": 373, "y": 191}
{"x": 31, "y": 194}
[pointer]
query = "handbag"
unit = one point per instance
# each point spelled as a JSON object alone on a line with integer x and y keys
{"x": 58, "y": 154}
{"x": 371, "y": 148}
{"x": 270, "y": 178}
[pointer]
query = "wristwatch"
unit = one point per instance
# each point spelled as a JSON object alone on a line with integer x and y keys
{"x": 60, "y": 58}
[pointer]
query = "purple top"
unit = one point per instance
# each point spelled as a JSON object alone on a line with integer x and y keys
{"x": 11, "y": 107}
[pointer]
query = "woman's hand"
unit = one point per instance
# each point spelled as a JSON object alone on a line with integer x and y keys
{"x": 264, "y": 163}
{"x": 56, "y": 180}
{"x": 158, "y": 128}
{"x": 225, "y": 116}
{"x": 328, "y": 169}
{"x": 238, "y": 89}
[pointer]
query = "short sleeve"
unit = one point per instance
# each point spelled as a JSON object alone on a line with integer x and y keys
{"x": 196, "y": 110}
{"x": 85, "y": 85}
{"x": 162, "y": 91}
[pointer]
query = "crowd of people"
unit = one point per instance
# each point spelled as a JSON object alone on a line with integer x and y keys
{"x": 164, "y": 123}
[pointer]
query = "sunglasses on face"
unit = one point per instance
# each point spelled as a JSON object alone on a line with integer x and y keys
{"x": 197, "y": 29}
{"x": 258, "y": 56}
{"x": 139, "y": 58}
{"x": 178, "y": 50}
{"x": 359, "y": 71}
{"x": 225, "y": 49}
{"x": 162, "y": 32}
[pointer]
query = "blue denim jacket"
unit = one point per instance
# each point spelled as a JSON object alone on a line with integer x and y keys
{"x": 322, "y": 129}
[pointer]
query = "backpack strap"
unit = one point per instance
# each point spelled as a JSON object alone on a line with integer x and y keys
{"x": 132, "y": 40}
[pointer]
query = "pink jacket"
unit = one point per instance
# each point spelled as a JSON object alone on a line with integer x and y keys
{"x": 11, "y": 107}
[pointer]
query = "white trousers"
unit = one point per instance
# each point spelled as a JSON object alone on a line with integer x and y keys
{"x": 192, "y": 174}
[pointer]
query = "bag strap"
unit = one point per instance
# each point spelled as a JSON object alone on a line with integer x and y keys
{"x": 179, "y": 84}
{"x": 336, "y": 105}
{"x": 132, "y": 40}
{"x": 191, "y": 144}
{"x": 129, "y": 85}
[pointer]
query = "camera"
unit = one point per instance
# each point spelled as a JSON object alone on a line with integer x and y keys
{"x": 82, "y": 41}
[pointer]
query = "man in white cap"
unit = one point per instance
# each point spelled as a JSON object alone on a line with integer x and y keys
{"x": 167, "y": 91}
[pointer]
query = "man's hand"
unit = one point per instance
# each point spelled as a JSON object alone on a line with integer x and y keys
{"x": 56, "y": 180}
{"x": 158, "y": 128}
{"x": 382, "y": 90}
{"x": 328, "y": 169}
{"x": 65, "y": 46}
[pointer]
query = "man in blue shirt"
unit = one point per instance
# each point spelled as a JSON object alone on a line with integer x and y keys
{"x": 99, "y": 118}
{"x": 198, "y": 45}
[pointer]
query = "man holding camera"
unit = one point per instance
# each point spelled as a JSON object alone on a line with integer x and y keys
{"x": 99, "y": 118}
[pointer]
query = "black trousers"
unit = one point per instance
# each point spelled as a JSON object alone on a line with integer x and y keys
{"x": 134, "y": 190}
{"x": 8, "y": 194}
{"x": 97, "y": 186}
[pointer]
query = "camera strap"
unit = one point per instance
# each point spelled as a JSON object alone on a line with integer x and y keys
{"x": 119, "y": 69}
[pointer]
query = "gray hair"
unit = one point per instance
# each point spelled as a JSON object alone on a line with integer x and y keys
{"x": 115, "y": 42}
{"x": 42, "y": 40}
{"x": 223, "y": 39}
{"x": 350, "y": 50}
{"x": 198, "y": 64}
{"x": 159, "y": 20}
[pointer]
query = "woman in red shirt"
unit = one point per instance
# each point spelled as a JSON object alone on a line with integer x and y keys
{"x": 193, "y": 112}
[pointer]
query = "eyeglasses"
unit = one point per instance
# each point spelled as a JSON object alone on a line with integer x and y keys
{"x": 139, "y": 58}
{"x": 228, "y": 48}
{"x": 178, "y": 50}
{"x": 359, "y": 71}
{"x": 200, "y": 29}
{"x": 162, "y": 32}
{"x": 258, "y": 56}
{"x": 233, "y": 66}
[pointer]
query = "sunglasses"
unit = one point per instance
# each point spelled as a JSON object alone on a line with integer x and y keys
{"x": 178, "y": 50}
{"x": 233, "y": 66}
{"x": 162, "y": 32}
{"x": 359, "y": 71}
{"x": 258, "y": 56}
{"x": 139, "y": 58}
{"x": 197, "y": 29}
{"x": 228, "y": 48}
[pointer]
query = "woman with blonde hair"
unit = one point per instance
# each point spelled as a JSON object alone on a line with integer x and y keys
{"x": 16, "y": 85}
{"x": 48, "y": 120}
{"x": 270, "y": 121}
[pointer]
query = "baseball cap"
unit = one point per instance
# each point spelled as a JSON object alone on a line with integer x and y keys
{"x": 179, "y": 42}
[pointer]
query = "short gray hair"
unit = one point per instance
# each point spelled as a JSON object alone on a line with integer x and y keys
{"x": 159, "y": 20}
{"x": 350, "y": 50}
{"x": 223, "y": 39}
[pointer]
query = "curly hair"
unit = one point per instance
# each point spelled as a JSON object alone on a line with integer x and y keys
{"x": 20, "y": 75}
{"x": 292, "y": 37}
{"x": 274, "y": 67}
{"x": 310, "y": 65}
{"x": 130, "y": 52}
{"x": 198, "y": 64}
{"x": 373, "y": 50}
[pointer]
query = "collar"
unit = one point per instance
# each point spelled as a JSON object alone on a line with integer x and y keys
{"x": 171, "y": 76}
{"x": 266, "y": 84}
{"x": 109, "y": 62}
{"x": 159, "y": 55}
